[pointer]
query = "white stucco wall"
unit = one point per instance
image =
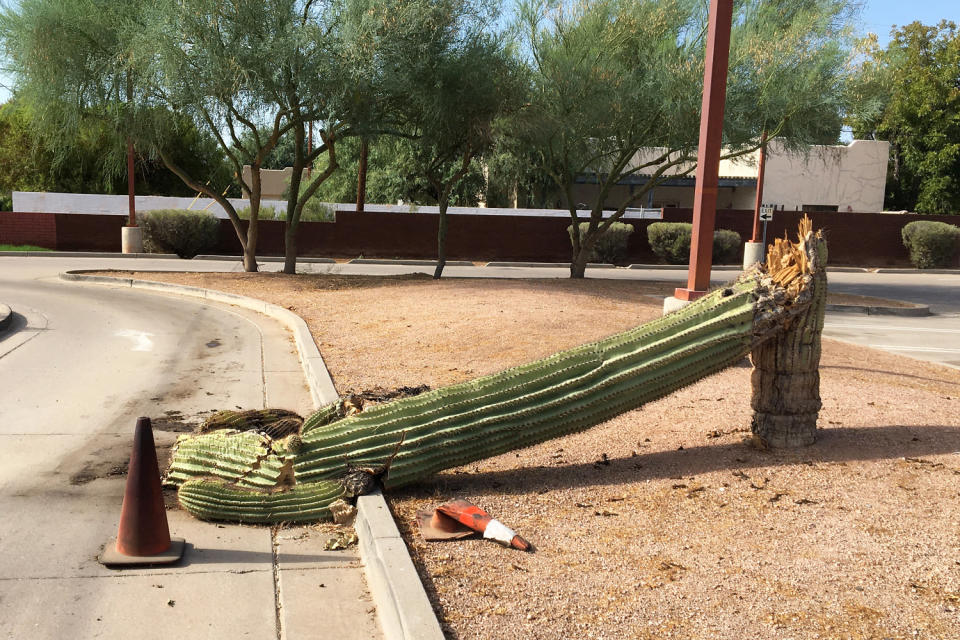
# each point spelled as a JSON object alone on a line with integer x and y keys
{"x": 94, "y": 203}
{"x": 851, "y": 177}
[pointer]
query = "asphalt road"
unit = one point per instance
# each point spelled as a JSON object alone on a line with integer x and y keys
{"x": 80, "y": 364}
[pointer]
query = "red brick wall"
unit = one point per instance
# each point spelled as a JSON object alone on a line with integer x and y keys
{"x": 38, "y": 229}
{"x": 89, "y": 232}
{"x": 859, "y": 239}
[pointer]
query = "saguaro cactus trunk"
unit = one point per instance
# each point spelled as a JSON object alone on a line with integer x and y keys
{"x": 247, "y": 475}
{"x": 786, "y": 374}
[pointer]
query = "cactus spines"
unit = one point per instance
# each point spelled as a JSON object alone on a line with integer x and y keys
{"x": 253, "y": 477}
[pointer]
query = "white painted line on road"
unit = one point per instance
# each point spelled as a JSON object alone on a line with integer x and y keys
{"x": 885, "y": 327}
{"x": 891, "y": 347}
{"x": 141, "y": 339}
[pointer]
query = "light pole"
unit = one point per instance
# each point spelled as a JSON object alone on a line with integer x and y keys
{"x": 708, "y": 154}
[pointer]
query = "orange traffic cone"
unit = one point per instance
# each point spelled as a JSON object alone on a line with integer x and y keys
{"x": 479, "y": 520}
{"x": 143, "y": 537}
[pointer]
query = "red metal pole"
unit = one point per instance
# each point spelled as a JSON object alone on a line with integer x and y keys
{"x": 708, "y": 152}
{"x": 132, "y": 221}
{"x": 756, "y": 206}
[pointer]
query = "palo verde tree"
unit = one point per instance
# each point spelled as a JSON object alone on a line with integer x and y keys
{"x": 254, "y": 74}
{"x": 246, "y": 72}
{"x": 77, "y": 79}
{"x": 909, "y": 94}
{"x": 617, "y": 84}
{"x": 443, "y": 94}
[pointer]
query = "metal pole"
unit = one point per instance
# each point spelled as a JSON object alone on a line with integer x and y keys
{"x": 756, "y": 206}
{"x": 708, "y": 152}
{"x": 132, "y": 206}
{"x": 131, "y": 191}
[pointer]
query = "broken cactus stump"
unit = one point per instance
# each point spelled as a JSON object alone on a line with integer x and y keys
{"x": 786, "y": 373}
{"x": 244, "y": 473}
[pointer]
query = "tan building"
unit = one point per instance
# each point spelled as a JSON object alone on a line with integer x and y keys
{"x": 273, "y": 182}
{"x": 827, "y": 178}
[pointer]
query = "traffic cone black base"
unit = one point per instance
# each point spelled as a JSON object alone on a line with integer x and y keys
{"x": 113, "y": 558}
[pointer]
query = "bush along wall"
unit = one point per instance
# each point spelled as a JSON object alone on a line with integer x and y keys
{"x": 670, "y": 241}
{"x": 931, "y": 244}
{"x": 611, "y": 246}
{"x": 185, "y": 233}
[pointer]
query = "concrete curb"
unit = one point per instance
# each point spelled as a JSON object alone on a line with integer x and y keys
{"x": 264, "y": 259}
{"x": 403, "y": 607}
{"x": 402, "y": 603}
{"x": 918, "y": 271}
{"x": 916, "y": 311}
{"x": 88, "y": 254}
{"x": 411, "y": 263}
{"x": 549, "y": 265}
{"x": 6, "y": 317}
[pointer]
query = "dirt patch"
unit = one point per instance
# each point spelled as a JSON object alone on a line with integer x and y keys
{"x": 100, "y": 469}
{"x": 661, "y": 523}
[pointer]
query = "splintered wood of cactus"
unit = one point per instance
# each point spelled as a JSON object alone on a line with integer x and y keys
{"x": 252, "y": 476}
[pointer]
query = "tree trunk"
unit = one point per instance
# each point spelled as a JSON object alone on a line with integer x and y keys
{"x": 290, "y": 248}
{"x": 786, "y": 375}
{"x": 441, "y": 241}
{"x": 249, "y": 257}
{"x": 578, "y": 268}
{"x": 362, "y": 175}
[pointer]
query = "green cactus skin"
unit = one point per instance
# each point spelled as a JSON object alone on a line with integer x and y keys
{"x": 248, "y": 477}
{"x": 213, "y": 500}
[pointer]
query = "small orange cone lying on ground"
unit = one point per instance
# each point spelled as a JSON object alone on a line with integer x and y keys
{"x": 143, "y": 536}
{"x": 477, "y": 519}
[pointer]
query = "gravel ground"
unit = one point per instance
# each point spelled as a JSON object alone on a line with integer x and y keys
{"x": 660, "y": 523}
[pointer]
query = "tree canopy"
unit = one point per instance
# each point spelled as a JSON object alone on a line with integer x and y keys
{"x": 909, "y": 94}
{"x": 612, "y": 77}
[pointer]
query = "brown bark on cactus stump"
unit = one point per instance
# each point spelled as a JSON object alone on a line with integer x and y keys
{"x": 786, "y": 373}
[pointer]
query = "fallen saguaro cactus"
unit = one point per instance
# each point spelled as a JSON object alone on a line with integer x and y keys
{"x": 775, "y": 309}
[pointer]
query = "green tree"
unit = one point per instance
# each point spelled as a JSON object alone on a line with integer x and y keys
{"x": 909, "y": 94}
{"x": 612, "y": 78}
{"x": 445, "y": 93}
{"x": 390, "y": 177}
{"x": 246, "y": 72}
{"x": 28, "y": 164}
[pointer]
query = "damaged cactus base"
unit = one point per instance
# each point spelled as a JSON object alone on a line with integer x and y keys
{"x": 239, "y": 474}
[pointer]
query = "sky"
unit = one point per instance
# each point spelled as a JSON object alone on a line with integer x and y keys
{"x": 878, "y": 16}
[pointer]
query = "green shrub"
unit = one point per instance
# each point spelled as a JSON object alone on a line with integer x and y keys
{"x": 266, "y": 213}
{"x": 931, "y": 244}
{"x": 670, "y": 242}
{"x": 611, "y": 246}
{"x": 726, "y": 246}
{"x": 185, "y": 233}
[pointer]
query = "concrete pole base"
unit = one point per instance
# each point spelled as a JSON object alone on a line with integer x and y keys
{"x": 752, "y": 253}
{"x": 131, "y": 240}
{"x": 671, "y": 304}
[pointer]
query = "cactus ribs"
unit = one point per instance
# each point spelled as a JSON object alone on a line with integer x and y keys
{"x": 775, "y": 311}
